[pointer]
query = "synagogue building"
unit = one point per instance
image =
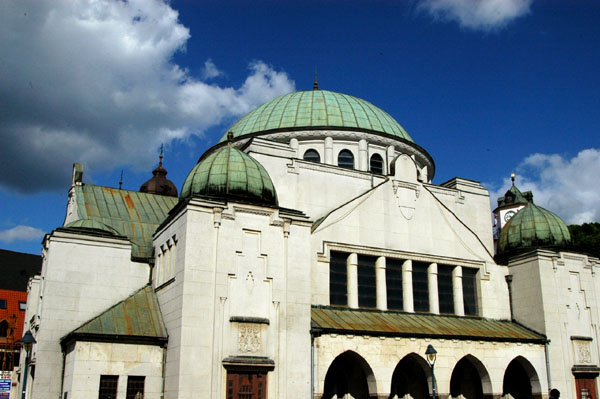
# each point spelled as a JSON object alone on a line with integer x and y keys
{"x": 309, "y": 255}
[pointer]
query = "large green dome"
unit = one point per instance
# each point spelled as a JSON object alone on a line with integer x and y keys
{"x": 533, "y": 227}
{"x": 318, "y": 109}
{"x": 229, "y": 173}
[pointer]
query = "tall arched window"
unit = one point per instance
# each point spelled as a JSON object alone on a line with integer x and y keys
{"x": 311, "y": 155}
{"x": 376, "y": 164}
{"x": 346, "y": 159}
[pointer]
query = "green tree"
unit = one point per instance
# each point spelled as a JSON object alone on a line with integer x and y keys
{"x": 586, "y": 238}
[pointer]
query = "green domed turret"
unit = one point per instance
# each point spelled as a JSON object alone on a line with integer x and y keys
{"x": 533, "y": 227}
{"x": 229, "y": 173}
{"x": 318, "y": 109}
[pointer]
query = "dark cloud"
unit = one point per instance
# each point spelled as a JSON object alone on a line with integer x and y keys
{"x": 90, "y": 81}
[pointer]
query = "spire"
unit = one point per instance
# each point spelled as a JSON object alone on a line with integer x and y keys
{"x": 512, "y": 177}
{"x": 121, "y": 181}
{"x": 160, "y": 157}
{"x": 316, "y": 82}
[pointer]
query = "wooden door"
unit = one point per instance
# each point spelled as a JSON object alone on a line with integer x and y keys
{"x": 585, "y": 385}
{"x": 246, "y": 385}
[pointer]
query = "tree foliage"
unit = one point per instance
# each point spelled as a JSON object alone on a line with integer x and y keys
{"x": 586, "y": 238}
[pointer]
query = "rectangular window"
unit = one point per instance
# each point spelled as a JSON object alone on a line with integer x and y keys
{"x": 445, "y": 289}
{"x": 108, "y": 387}
{"x": 135, "y": 387}
{"x": 420, "y": 287}
{"x": 469, "y": 282}
{"x": 2, "y": 303}
{"x": 367, "y": 290}
{"x": 337, "y": 279}
{"x": 393, "y": 280}
{"x": 22, "y": 306}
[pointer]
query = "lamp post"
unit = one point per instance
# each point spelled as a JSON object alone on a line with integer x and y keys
{"x": 431, "y": 353}
{"x": 27, "y": 341}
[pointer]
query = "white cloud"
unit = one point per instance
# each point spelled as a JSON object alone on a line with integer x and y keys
{"x": 567, "y": 187}
{"x": 21, "y": 233}
{"x": 210, "y": 70}
{"x": 483, "y": 15}
{"x": 94, "y": 81}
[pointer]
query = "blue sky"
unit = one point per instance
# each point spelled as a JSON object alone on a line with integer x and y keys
{"x": 487, "y": 87}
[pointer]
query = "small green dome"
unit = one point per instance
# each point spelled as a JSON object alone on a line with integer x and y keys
{"x": 533, "y": 227}
{"x": 318, "y": 108}
{"x": 229, "y": 173}
{"x": 91, "y": 224}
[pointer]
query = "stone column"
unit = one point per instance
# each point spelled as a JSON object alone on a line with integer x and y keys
{"x": 459, "y": 305}
{"x": 407, "y": 289}
{"x": 363, "y": 156}
{"x": 381, "y": 283}
{"x": 329, "y": 151}
{"x": 352, "y": 280}
{"x": 294, "y": 146}
{"x": 391, "y": 152}
{"x": 432, "y": 285}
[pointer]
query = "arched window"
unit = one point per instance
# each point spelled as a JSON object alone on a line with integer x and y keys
{"x": 376, "y": 164}
{"x": 312, "y": 156}
{"x": 346, "y": 159}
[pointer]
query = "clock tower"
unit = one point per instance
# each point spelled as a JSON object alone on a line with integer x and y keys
{"x": 512, "y": 202}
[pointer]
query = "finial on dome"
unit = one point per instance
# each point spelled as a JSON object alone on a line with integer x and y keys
{"x": 230, "y": 136}
{"x": 121, "y": 180}
{"x": 316, "y": 82}
{"x": 160, "y": 157}
{"x": 512, "y": 177}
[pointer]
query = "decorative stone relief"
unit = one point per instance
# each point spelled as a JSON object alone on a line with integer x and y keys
{"x": 249, "y": 339}
{"x": 406, "y": 195}
{"x": 583, "y": 353}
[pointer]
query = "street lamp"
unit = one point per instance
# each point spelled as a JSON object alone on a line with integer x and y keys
{"x": 27, "y": 341}
{"x": 431, "y": 353}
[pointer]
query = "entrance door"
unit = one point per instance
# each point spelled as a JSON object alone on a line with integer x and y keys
{"x": 585, "y": 386}
{"x": 246, "y": 385}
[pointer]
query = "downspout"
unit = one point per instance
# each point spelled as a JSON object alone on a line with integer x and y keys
{"x": 62, "y": 374}
{"x": 509, "y": 279}
{"x": 312, "y": 365}
{"x": 548, "y": 365}
{"x": 164, "y": 366}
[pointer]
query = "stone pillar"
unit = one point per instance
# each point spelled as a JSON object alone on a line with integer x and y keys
{"x": 329, "y": 151}
{"x": 432, "y": 285}
{"x": 352, "y": 280}
{"x": 294, "y": 146}
{"x": 363, "y": 156}
{"x": 407, "y": 289}
{"x": 381, "y": 283}
{"x": 391, "y": 152}
{"x": 459, "y": 304}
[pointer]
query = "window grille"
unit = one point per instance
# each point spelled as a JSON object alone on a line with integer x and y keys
{"x": 469, "y": 283}
{"x": 346, "y": 159}
{"x": 367, "y": 291}
{"x": 393, "y": 279}
{"x": 420, "y": 287}
{"x": 337, "y": 278}
{"x": 445, "y": 290}
{"x": 108, "y": 387}
{"x": 376, "y": 164}
{"x": 312, "y": 156}
{"x": 135, "y": 387}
